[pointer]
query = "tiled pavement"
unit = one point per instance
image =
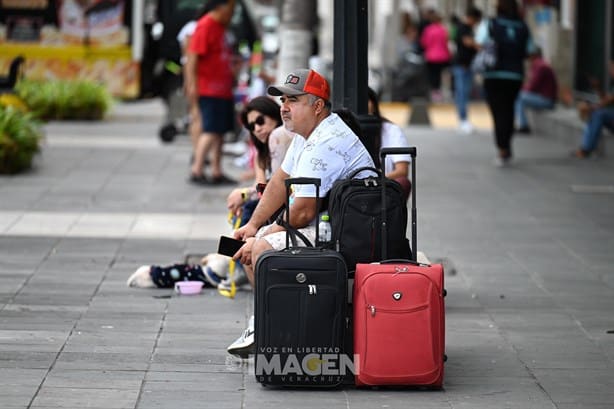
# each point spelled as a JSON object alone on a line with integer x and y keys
{"x": 531, "y": 285}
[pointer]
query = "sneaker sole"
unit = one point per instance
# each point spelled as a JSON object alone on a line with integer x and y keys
{"x": 242, "y": 352}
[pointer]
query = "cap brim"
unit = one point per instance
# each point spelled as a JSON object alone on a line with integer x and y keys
{"x": 280, "y": 90}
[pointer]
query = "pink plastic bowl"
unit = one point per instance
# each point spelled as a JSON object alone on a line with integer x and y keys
{"x": 188, "y": 287}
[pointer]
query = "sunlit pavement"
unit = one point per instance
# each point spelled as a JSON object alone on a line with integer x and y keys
{"x": 528, "y": 252}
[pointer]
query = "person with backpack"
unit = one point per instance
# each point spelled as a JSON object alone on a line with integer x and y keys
{"x": 503, "y": 82}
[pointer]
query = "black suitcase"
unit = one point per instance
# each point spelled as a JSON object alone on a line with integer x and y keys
{"x": 300, "y": 314}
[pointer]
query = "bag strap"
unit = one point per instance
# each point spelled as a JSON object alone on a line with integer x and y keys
{"x": 293, "y": 232}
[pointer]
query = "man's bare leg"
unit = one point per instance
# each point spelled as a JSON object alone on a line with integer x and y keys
{"x": 259, "y": 247}
{"x": 205, "y": 142}
{"x": 216, "y": 157}
{"x": 195, "y": 127}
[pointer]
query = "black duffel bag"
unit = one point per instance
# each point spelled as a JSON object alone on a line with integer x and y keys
{"x": 356, "y": 217}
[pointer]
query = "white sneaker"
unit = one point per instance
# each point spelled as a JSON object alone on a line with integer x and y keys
{"x": 465, "y": 127}
{"x": 502, "y": 162}
{"x": 245, "y": 344}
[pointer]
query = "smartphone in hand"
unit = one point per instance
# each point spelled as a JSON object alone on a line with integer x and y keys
{"x": 228, "y": 246}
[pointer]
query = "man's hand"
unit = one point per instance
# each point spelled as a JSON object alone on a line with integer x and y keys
{"x": 245, "y": 232}
{"x": 244, "y": 255}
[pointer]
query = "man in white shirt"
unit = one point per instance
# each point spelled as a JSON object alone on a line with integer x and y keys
{"x": 324, "y": 147}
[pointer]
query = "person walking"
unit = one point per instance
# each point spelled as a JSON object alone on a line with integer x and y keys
{"x": 466, "y": 48}
{"x": 539, "y": 92}
{"x": 209, "y": 82}
{"x": 503, "y": 82}
{"x": 434, "y": 41}
{"x": 183, "y": 38}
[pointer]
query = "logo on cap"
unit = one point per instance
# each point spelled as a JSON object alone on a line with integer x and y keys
{"x": 292, "y": 79}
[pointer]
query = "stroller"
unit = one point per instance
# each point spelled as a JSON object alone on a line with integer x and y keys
{"x": 177, "y": 108}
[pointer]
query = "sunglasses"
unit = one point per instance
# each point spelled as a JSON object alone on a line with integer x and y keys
{"x": 259, "y": 121}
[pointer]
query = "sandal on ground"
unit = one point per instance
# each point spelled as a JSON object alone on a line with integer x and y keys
{"x": 580, "y": 154}
{"x": 199, "y": 179}
{"x": 223, "y": 180}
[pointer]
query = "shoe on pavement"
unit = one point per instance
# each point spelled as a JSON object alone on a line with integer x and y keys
{"x": 580, "y": 154}
{"x": 222, "y": 180}
{"x": 245, "y": 344}
{"x": 200, "y": 180}
{"x": 524, "y": 130}
{"x": 502, "y": 162}
{"x": 465, "y": 127}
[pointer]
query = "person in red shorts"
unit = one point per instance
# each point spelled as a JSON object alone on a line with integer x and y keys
{"x": 209, "y": 83}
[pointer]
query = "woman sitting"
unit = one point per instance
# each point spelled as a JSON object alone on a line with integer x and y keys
{"x": 262, "y": 119}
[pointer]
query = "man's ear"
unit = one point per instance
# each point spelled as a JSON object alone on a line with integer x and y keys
{"x": 319, "y": 105}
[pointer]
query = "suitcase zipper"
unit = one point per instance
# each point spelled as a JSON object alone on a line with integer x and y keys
{"x": 373, "y": 310}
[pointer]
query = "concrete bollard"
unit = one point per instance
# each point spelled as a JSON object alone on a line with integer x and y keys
{"x": 419, "y": 111}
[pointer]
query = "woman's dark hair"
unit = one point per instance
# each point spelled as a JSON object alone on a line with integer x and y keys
{"x": 267, "y": 107}
{"x": 508, "y": 8}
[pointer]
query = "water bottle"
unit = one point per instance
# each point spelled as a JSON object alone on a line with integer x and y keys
{"x": 325, "y": 230}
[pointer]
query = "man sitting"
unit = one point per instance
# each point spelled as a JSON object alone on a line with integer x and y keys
{"x": 539, "y": 92}
{"x": 324, "y": 147}
{"x": 597, "y": 116}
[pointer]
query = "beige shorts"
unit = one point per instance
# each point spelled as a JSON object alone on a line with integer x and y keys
{"x": 278, "y": 240}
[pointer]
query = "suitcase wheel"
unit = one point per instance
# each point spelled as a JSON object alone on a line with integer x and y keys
{"x": 445, "y": 292}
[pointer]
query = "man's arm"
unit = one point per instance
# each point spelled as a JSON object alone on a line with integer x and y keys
{"x": 302, "y": 211}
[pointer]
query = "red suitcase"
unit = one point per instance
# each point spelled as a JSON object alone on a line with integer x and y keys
{"x": 399, "y": 316}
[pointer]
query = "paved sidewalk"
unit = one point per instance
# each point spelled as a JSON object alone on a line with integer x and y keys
{"x": 530, "y": 287}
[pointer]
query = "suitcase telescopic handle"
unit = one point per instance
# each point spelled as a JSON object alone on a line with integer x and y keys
{"x": 301, "y": 181}
{"x": 414, "y": 221}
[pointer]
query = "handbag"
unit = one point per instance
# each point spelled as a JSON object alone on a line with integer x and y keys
{"x": 486, "y": 57}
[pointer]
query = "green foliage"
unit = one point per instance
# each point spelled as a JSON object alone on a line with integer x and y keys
{"x": 20, "y": 135}
{"x": 65, "y": 99}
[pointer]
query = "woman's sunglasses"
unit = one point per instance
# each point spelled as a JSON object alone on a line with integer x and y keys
{"x": 259, "y": 121}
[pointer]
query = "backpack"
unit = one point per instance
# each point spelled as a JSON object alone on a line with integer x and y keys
{"x": 511, "y": 37}
{"x": 355, "y": 211}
